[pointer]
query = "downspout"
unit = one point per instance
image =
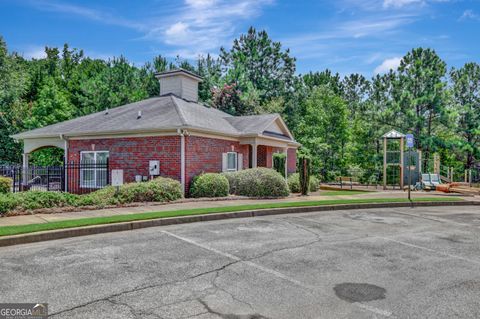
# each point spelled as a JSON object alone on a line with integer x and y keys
{"x": 182, "y": 159}
{"x": 65, "y": 156}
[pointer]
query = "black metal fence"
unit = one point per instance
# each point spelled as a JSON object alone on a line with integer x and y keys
{"x": 77, "y": 178}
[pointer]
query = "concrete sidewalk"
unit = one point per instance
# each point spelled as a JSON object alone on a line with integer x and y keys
{"x": 47, "y": 218}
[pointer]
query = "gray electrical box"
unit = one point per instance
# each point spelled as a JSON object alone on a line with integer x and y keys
{"x": 154, "y": 168}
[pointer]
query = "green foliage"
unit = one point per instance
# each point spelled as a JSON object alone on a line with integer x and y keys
{"x": 8, "y": 202}
{"x": 210, "y": 185}
{"x": 261, "y": 182}
{"x": 232, "y": 181}
{"x": 304, "y": 174}
{"x": 314, "y": 184}
{"x": 5, "y": 185}
{"x": 256, "y": 60}
{"x": 37, "y": 199}
{"x": 294, "y": 183}
{"x": 228, "y": 99}
{"x": 279, "y": 161}
{"x": 158, "y": 190}
{"x": 324, "y": 129}
{"x": 338, "y": 120}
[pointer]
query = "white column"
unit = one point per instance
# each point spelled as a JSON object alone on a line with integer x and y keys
{"x": 254, "y": 155}
{"x": 25, "y": 168}
{"x": 182, "y": 161}
{"x": 285, "y": 150}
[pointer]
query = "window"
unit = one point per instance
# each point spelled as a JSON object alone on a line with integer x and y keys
{"x": 93, "y": 169}
{"x": 231, "y": 161}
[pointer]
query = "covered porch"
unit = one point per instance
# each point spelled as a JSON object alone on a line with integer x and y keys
{"x": 261, "y": 151}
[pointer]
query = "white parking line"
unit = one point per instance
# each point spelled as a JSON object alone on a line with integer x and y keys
{"x": 429, "y": 249}
{"x": 274, "y": 273}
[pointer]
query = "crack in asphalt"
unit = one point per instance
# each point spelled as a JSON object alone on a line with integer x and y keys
{"x": 136, "y": 289}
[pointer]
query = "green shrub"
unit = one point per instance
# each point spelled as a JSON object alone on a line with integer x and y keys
{"x": 232, "y": 181}
{"x": 160, "y": 189}
{"x": 314, "y": 184}
{"x": 279, "y": 161}
{"x": 38, "y": 199}
{"x": 210, "y": 185}
{"x": 8, "y": 202}
{"x": 261, "y": 182}
{"x": 294, "y": 183}
{"x": 5, "y": 185}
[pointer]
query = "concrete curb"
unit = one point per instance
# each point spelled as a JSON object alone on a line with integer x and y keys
{"x": 114, "y": 227}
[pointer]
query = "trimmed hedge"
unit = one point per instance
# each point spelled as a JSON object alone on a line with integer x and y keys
{"x": 5, "y": 185}
{"x": 232, "y": 181}
{"x": 210, "y": 185}
{"x": 294, "y": 183}
{"x": 314, "y": 183}
{"x": 261, "y": 182}
{"x": 158, "y": 190}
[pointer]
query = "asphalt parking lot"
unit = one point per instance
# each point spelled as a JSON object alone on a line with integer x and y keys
{"x": 378, "y": 263}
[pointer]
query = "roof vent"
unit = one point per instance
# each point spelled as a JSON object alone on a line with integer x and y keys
{"x": 181, "y": 83}
{"x": 139, "y": 115}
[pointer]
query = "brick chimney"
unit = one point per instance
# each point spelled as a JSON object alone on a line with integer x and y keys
{"x": 180, "y": 82}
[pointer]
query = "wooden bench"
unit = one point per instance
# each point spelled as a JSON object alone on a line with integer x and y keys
{"x": 345, "y": 180}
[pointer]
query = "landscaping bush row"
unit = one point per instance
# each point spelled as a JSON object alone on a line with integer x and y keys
{"x": 255, "y": 182}
{"x": 5, "y": 185}
{"x": 157, "y": 190}
{"x": 294, "y": 183}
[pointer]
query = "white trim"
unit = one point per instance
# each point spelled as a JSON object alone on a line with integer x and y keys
{"x": 236, "y": 162}
{"x": 82, "y": 185}
{"x": 182, "y": 160}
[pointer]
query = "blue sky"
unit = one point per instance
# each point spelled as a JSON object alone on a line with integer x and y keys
{"x": 346, "y": 36}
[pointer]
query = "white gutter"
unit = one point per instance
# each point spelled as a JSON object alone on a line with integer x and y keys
{"x": 182, "y": 159}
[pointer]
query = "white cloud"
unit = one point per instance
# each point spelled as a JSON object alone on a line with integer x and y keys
{"x": 200, "y": 3}
{"x": 387, "y": 65}
{"x": 89, "y": 13}
{"x": 400, "y": 3}
{"x": 34, "y": 52}
{"x": 203, "y": 25}
{"x": 469, "y": 14}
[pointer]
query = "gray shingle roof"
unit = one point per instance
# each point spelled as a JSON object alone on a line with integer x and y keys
{"x": 158, "y": 113}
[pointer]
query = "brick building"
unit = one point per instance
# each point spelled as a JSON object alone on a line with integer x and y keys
{"x": 171, "y": 135}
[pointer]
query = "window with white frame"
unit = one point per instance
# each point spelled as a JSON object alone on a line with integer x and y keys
{"x": 231, "y": 161}
{"x": 93, "y": 169}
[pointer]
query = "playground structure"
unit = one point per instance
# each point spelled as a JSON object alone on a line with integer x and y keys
{"x": 398, "y": 164}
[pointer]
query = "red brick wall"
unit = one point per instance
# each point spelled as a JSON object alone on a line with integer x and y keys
{"x": 133, "y": 154}
{"x": 205, "y": 155}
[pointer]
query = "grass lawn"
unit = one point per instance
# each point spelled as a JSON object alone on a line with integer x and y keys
{"x": 23, "y": 229}
{"x": 342, "y": 192}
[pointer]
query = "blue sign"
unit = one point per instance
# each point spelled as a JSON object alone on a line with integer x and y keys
{"x": 410, "y": 141}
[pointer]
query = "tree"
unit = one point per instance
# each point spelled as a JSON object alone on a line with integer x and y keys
{"x": 13, "y": 85}
{"x": 324, "y": 131}
{"x": 51, "y": 107}
{"x": 420, "y": 95}
{"x": 466, "y": 99}
{"x": 254, "y": 58}
{"x": 229, "y": 99}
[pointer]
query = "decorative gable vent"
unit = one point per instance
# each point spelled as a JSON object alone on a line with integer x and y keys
{"x": 181, "y": 83}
